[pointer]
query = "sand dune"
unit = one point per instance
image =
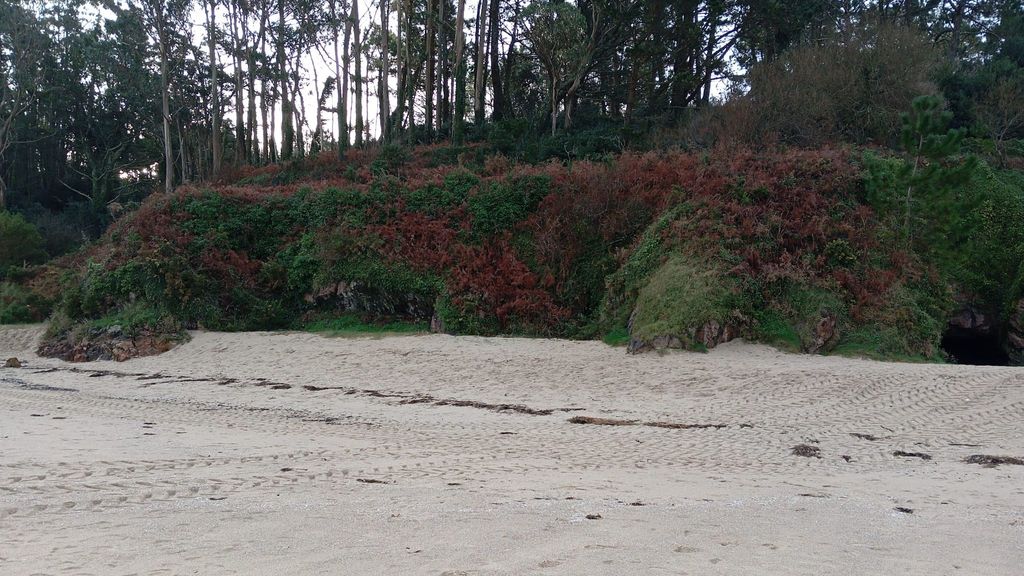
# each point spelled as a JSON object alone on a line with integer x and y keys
{"x": 286, "y": 453}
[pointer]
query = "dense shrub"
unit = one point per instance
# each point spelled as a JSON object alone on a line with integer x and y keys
{"x": 19, "y": 305}
{"x": 846, "y": 88}
{"x": 20, "y": 242}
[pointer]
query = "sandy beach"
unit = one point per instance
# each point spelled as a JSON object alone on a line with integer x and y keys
{"x": 292, "y": 453}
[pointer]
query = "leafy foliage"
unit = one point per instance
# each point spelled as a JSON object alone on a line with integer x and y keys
{"x": 20, "y": 242}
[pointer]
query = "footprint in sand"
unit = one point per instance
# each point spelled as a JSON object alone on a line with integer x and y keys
{"x": 687, "y": 550}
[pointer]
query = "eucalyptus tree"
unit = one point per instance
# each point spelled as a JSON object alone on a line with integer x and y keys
{"x": 162, "y": 18}
{"x": 21, "y": 47}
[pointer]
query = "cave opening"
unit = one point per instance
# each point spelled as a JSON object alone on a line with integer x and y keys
{"x": 974, "y": 347}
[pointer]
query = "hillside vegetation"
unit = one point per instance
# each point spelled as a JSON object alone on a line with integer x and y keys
{"x": 799, "y": 249}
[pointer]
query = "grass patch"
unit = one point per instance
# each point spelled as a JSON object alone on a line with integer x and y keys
{"x": 878, "y": 343}
{"x": 354, "y": 325}
{"x": 774, "y": 330}
{"x": 617, "y": 337}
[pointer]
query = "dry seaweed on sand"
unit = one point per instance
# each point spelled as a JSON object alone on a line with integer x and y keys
{"x": 920, "y": 455}
{"x": 993, "y": 461}
{"x": 601, "y": 421}
{"x": 806, "y": 450}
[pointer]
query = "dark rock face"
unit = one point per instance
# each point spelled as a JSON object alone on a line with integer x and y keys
{"x": 825, "y": 335}
{"x": 1014, "y": 345}
{"x": 709, "y": 335}
{"x": 970, "y": 319}
{"x": 358, "y": 297}
{"x": 437, "y": 325}
{"x": 973, "y": 337}
{"x": 108, "y": 344}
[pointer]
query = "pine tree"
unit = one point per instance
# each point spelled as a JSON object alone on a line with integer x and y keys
{"x": 930, "y": 146}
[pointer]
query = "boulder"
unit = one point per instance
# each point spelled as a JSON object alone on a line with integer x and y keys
{"x": 824, "y": 335}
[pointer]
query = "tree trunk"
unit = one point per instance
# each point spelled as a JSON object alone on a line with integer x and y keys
{"x": 341, "y": 85}
{"x": 460, "y": 76}
{"x": 165, "y": 100}
{"x": 497, "y": 94}
{"x": 264, "y": 104}
{"x": 287, "y": 131}
{"x": 182, "y": 151}
{"x": 708, "y": 67}
{"x": 215, "y": 138}
{"x": 410, "y": 80}
{"x": 299, "y": 111}
{"x": 357, "y": 50}
{"x": 400, "y": 66}
{"x": 429, "y": 84}
{"x": 442, "y": 84}
{"x": 240, "y": 144}
{"x": 480, "y": 64}
{"x": 382, "y": 78}
{"x": 265, "y": 155}
{"x": 253, "y": 151}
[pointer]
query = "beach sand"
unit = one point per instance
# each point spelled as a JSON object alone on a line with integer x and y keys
{"x": 292, "y": 453}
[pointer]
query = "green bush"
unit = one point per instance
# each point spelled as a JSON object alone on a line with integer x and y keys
{"x": 984, "y": 255}
{"x": 392, "y": 159}
{"x": 20, "y": 242}
{"x": 680, "y": 297}
{"x": 465, "y": 316}
{"x": 137, "y": 317}
{"x": 500, "y": 206}
{"x": 19, "y": 305}
{"x": 434, "y": 200}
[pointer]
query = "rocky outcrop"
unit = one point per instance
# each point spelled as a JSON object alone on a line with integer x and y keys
{"x": 437, "y": 325}
{"x": 706, "y": 336}
{"x": 824, "y": 335}
{"x": 358, "y": 297}
{"x": 1014, "y": 344}
{"x": 107, "y": 344}
{"x": 969, "y": 319}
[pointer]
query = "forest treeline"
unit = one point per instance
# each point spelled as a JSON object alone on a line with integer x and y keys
{"x": 105, "y": 101}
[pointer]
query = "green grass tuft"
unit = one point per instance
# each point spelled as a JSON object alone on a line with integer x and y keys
{"x": 354, "y": 325}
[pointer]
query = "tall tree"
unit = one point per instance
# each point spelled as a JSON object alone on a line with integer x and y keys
{"x": 431, "y": 56}
{"x": 357, "y": 50}
{"x": 556, "y": 34}
{"x": 497, "y": 90}
{"x": 339, "y": 18}
{"x": 158, "y": 14}
{"x": 21, "y": 47}
{"x": 480, "y": 63}
{"x": 287, "y": 125}
{"x": 210, "y": 8}
{"x": 458, "y": 121}
{"x": 384, "y": 100}
{"x": 236, "y": 14}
